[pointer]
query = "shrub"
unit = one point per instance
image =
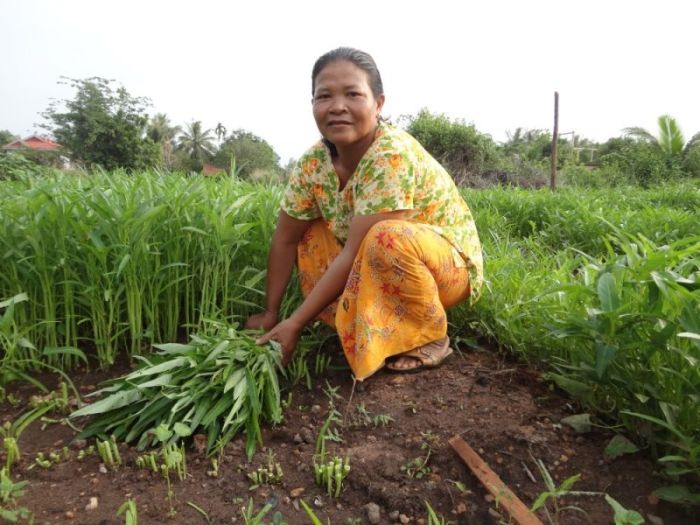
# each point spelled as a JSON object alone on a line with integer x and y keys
{"x": 458, "y": 146}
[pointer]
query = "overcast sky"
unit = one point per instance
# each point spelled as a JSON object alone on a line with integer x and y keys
{"x": 496, "y": 63}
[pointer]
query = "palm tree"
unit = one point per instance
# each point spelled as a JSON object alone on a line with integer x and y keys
{"x": 670, "y": 139}
{"x": 195, "y": 141}
{"x": 160, "y": 130}
{"x": 220, "y": 131}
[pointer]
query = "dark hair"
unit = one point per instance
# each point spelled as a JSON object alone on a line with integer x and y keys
{"x": 360, "y": 59}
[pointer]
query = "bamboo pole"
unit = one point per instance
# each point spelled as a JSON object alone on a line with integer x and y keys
{"x": 555, "y": 139}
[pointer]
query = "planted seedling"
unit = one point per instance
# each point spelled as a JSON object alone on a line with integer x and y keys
{"x": 364, "y": 418}
{"x": 214, "y": 472}
{"x": 109, "y": 453}
{"x": 554, "y": 494}
{"x": 250, "y": 517}
{"x": 9, "y": 493}
{"x": 128, "y": 508}
{"x": 433, "y": 517}
{"x": 315, "y": 520}
{"x": 12, "y": 453}
{"x": 332, "y": 474}
{"x": 268, "y": 474}
{"x": 418, "y": 467}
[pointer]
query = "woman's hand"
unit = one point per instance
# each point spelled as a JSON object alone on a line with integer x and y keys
{"x": 262, "y": 321}
{"x": 287, "y": 334}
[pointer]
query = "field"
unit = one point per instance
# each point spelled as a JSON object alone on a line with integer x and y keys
{"x": 591, "y": 309}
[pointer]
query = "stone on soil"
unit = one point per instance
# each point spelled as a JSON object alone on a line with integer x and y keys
{"x": 373, "y": 513}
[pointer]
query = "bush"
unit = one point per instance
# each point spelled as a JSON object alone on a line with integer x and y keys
{"x": 458, "y": 146}
{"x": 14, "y": 166}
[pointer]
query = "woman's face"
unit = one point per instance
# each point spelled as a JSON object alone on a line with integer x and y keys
{"x": 344, "y": 107}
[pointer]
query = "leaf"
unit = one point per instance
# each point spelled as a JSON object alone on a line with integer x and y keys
{"x": 163, "y": 433}
{"x": 64, "y": 350}
{"x": 581, "y": 423}
{"x": 20, "y": 297}
{"x": 677, "y": 494}
{"x": 607, "y": 292}
{"x": 624, "y": 516}
{"x": 118, "y": 400}
{"x": 618, "y": 446}
{"x": 573, "y": 387}
{"x": 182, "y": 430}
{"x": 604, "y": 354}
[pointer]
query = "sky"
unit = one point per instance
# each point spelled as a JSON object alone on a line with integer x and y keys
{"x": 495, "y": 64}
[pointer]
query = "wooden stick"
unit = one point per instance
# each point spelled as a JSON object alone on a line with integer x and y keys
{"x": 555, "y": 139}
{"x": 489, "y": 479}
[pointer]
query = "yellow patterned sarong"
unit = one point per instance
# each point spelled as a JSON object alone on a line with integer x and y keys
{"x": 404, "y": 277}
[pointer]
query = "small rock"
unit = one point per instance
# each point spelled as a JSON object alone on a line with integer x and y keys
{"x": 394, "y": 515}
{"x": 307, "y": 435}
{"x": 655, "y": 520}
{"x": 286, "y": 500}
{"x": 79, "y": 444}
{"x": 102, "y": 469}
{"x": 57, "y": 444}
{"x": 420, "y": 521}
{"x": 69, "y": 514}
{"x": 315, "y": 409}
{"x": 92, "y": 505}
{"x": 318, "y": 502}
{"x": 397, "y": 380}
{"x": 489, "y": 498}
{"x": 404, "y": 519}
{"x": 563, "y": 458}
{"x": 461, "y": 508}
{"x": 94, "y": 481}
{"x": 373, "y": 514}
{"x": 495, "y": 514}
{"x": 295, "y": 493}
{"x": 297, "y": 439}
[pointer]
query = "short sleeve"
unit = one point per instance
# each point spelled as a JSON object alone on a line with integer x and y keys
{"x": 298, "y": 200}
{"x": 386, "y": 183}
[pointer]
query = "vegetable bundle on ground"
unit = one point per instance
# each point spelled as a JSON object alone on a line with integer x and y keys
{"x": 217, "y": 385}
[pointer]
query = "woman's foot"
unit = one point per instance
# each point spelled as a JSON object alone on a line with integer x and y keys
{"x": 427, "y": 356}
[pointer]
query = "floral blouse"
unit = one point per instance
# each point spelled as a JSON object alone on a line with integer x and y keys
{"x": 396, "y": 173}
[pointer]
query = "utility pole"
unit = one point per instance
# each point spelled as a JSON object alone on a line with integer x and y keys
{"x": 555, "y": 137}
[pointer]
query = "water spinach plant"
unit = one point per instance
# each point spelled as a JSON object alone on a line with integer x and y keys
{"x": 218, "y": 384}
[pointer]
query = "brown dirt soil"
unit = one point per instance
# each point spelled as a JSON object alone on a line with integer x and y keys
{"x": 500, "y": 407}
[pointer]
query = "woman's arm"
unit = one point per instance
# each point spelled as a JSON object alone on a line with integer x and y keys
{"x": 329, "y": 287}
{"x": 280, "y": 262}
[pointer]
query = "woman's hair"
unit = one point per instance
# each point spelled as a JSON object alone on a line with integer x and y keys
{"x": 360, "y": 59}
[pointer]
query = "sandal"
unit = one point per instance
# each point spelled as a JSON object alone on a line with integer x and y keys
{"x": 429, "y": 355}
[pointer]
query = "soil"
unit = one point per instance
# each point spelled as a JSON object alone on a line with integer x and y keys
{"x": 500, "y": 407}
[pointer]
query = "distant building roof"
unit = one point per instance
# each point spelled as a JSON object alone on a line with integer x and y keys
{"x": 209, "y": 169}
{"x": 34, "y": 142}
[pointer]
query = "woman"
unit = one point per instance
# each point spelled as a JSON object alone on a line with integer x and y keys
{"x": 384, "y": 241}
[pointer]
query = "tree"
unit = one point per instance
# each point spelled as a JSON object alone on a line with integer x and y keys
{"x": 669, "y": 140}
{"x": 458, "y": 146}
{"x": 6, "y": 137}
{"x": 163, "y": 133}
{"x": 250, "y": 152}
{"x": 195, "y": 142}
{"x": 102, "y": 126}
{"x": 220, "y": 131}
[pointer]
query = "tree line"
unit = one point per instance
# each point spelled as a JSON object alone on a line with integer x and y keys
{"x": 105, "y": 126}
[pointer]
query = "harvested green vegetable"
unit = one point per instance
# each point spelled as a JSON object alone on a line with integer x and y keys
{"x": 217, "y": 384}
